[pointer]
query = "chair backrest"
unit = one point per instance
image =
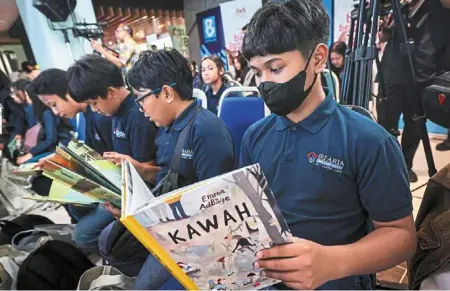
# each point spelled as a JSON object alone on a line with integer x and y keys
{"x": 362, "y": 111}
{"x": 80, "y": 127}
{"x": 239, "y": 113}
{"x": 201, "y": 97}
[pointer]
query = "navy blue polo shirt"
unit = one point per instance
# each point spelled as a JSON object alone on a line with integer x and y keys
{"x": 331, "y": 174}
{"x": 208, "y": 150}
{"x": 213, "y": 99}
{"x": 133, "y": 133}
{"x": 98, "y": 131}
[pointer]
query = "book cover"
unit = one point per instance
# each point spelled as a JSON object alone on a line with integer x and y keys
{"x": 207, "y": 234}
{"x": 79, "y": 183}
{"x": 63, "y": 194}
{"x": 103, "y": 168}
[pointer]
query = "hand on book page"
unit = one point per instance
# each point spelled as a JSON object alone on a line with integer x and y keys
{"x": 301, "y": 265}
{"x": 147, "y": 170}
{"x": 112, "y": 209}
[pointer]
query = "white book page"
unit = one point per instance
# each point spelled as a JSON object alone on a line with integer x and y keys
{"x": 137, "y": 192}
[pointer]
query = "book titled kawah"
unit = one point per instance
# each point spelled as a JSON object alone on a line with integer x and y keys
{"x": 207, "y": 234}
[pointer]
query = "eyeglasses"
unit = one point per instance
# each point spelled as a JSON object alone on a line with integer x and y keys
{"x": 156, "y": 91}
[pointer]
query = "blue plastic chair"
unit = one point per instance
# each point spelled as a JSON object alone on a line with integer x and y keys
{"x": 239, "y": 113}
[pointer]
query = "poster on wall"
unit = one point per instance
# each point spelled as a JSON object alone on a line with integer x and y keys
{"x": 211, "y": 33}
{"x": 180, "y": 40}
{"x": 342, "y": 19}
{"x": 235, "y": 15}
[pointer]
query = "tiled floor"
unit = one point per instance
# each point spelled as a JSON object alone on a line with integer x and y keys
{"x": 398, "y": 274}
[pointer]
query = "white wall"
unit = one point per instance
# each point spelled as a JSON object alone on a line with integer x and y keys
{"x": 49, "y": 47}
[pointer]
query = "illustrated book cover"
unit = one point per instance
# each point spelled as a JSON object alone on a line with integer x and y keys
{"x": 207, "y": 234}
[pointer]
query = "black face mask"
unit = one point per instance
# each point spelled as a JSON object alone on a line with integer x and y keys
{"x": 283, "y": 98}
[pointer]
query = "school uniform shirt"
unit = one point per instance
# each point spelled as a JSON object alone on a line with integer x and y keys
{"x": 54, "y": 130}
{"x": 208, "y": 150}
{"x": 213, "y": 99}
{"x": 331, "y": 174}
{"x": 133, "y": 134}
{"x": 98, "y": 131}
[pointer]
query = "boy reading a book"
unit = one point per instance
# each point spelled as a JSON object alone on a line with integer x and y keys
{"x": 335, "y": 173}
{"x": 98, "y": 82}
{"x": 162, "y": 82}
{"x": 51, "y": 87}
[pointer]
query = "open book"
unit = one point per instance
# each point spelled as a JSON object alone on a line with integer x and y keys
{"x": 207, "y": 234}
{"x": 81, "y": 176}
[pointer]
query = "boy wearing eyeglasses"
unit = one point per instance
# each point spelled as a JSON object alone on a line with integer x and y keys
{"x": 98, "y": 82}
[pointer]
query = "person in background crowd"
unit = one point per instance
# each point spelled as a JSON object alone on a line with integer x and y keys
{"x": 213, "y": 70}
{"x": 55, "y": 95}
{"x": 29, "y": 70}
{"x": 12, "y": 114}
{"x": 54, "y": 129}
{"x": 162, "y": 82}
{"x": 20, "y": 95}
{"x": 337, "y": 58}
{"x": 445, "y": 145}
{"x": 127, "y": 47}
{"x": 98, "y": 82}
{"x": 244, "y": 75}
{"x": 339, "y": 178}
{"x": 197, "y": 83}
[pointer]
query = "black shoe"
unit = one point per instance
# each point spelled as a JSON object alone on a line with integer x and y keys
{"x": 443, "y": 146}
{"x": 412, "y": 176}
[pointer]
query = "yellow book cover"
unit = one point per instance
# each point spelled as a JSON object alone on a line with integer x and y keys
{"x": 207, "y": 234}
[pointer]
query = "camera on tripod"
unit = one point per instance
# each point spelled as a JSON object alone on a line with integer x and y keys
{"x": 88, "y": 30}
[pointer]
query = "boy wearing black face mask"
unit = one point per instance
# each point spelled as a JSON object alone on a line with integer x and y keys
{"x": 335, "y": 173}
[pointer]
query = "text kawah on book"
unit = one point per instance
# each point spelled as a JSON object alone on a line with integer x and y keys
{"x": 207, "y": 234}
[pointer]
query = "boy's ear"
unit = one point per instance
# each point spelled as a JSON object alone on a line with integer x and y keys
{"x": 320, "y": 58}
{"x": 168, "y": 94}
{"x": 111, "y": 93}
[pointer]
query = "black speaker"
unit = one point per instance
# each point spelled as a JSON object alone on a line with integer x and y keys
{"x": 55, "y": 10}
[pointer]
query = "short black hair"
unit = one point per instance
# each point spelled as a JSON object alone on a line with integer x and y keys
{"x": 26, "y": 64}
{"x": 154, "y": 69}
{"x": 281, "y": 27}
{"x": 91, "y": 76}
{"x": 51, "y": 81}
{"x": 20, "y": 84}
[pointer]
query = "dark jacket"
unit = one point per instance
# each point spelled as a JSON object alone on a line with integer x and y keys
{"x": 433, "y": 230}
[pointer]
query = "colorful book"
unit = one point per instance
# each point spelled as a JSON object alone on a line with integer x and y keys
{"x": 207, "y": 234}
{"x": 26, "y": 170}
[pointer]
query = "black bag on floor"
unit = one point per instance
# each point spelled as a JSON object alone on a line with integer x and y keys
{"x": 436, "y": 100}
{"x": 8, "y": 229}
{"x": 56, "y": 265}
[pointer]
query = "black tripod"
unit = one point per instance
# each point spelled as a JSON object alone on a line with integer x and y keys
{"x": 360, "y": 55}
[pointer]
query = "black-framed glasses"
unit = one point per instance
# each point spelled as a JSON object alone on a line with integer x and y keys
{"x": 138, "y": 100}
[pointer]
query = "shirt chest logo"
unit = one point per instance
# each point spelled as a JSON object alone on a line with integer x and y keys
{"x": 325, "y": 161}
{"x": 187, "y": 154}
{"x": 119, "y": 134}
{"x": 97, "y": 137}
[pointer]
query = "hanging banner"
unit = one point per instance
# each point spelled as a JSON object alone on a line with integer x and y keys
{"x": 235, "y": 15}
{"x": 211, "y": 33}
{"x": 342, "y": 19}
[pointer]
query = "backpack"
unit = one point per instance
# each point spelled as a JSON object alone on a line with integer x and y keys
{"x": 56, "y": 265}
{"x": 8, "y": 229}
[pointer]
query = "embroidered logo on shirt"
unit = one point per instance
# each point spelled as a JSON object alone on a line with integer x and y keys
{"x": 97, "y": 137}
{"x": 119, "y": 134}
{"x": 325, "y": 162}
{"x": 187, "y": 154}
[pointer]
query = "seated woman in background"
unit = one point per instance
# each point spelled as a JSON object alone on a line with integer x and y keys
{"x": 54, "y": 130}
{"x": 337, "y": 58}
{"x": 244, "y": 75}
{"x": 213, "y": 70}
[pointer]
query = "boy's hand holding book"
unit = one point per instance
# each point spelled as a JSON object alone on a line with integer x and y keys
{"x": 301, "y": 265}
{"x": 116, "y": 212}
{"x": 147, "y": 170}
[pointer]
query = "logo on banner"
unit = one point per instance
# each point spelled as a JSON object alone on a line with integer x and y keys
{"x": 209, "y": 29}
{"x": 241, "y": 11}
